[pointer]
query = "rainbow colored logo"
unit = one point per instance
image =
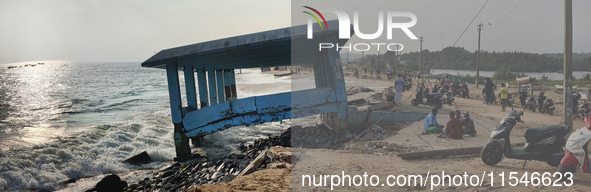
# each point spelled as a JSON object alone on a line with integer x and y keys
{"x": 319, "y": 23}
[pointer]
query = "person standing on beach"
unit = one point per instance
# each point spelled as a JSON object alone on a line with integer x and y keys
{"x": 488, "y": 90}
{"x": 399, "y": 85}
{"x": 503, "y": 95}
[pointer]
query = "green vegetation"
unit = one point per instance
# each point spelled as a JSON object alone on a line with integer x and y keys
{"x": 504, "y": 74}
{"x": 544, "y": 78}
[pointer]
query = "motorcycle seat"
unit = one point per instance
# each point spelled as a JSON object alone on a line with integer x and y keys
{"x": 536, "y": 134}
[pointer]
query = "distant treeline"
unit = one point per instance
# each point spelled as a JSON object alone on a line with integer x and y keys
{"x": 460, "y": 59}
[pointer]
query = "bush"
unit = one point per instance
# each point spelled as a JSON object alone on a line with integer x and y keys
{"x": 587, "y": 77}
{"x": 504, "y": 74}
{"x": 544, "y": 78}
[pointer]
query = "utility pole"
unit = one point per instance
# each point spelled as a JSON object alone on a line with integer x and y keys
{"x": 378, "y": 58}
{"x": 420, "y": 56}
{"x": 568, "y": 53}
{"x": 362, "y": 60}
{"x": 478, "y": 55}
{"x": 397, "y": 58}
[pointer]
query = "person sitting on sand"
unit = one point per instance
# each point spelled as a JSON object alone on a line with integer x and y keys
{"x": 431, "y": 125}
{"x": 454, "y": 130}
{"x": 468, "y": 126}
{"x": 459, "y": 115}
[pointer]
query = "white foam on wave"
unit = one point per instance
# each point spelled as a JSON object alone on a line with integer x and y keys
{"x": 84, "y": 154}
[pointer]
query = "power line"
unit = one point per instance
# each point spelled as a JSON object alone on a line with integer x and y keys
{"x": 505, "y": 16}
{"x": 470, "y": 23}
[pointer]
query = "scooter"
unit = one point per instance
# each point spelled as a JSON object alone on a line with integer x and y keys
{"x": 530, "y": 104}
{"x": 433, "y": 99}
{"x": 543, "y": 143}
{"x": 577, "y": 155}
{"x": 510, "y": 100}
{"x": 448, "y": 98}
{"x": 546, "y": 105}
{"x": 464, "y": 92}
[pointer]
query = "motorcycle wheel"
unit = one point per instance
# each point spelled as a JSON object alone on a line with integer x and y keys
{"x": 564, "y": 169}
{"x": 439, "y": 106}
{"x": 551, "y": 113}
{"x": 414, "y": 102}
{"x": 491, "y": 156}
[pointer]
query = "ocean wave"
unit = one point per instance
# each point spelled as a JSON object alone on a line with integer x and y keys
{"x": 84, "y": 154}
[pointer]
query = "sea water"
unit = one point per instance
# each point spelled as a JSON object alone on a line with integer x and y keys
{"x": 67, "y": 120}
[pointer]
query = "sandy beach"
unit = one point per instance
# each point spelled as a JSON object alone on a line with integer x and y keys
{"x": 378, "y": 157}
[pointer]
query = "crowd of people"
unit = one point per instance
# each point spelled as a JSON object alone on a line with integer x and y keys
{"x": 458, "y": 127}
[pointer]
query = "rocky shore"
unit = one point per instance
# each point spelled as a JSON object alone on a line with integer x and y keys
{"x": 201, "y": 170}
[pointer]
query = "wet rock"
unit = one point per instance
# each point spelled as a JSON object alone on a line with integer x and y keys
{"x": 139, "y": 159}
{"x": 68, "y": 181}
{"x": 111, "y": 183}
{"x": 358, "y": 102}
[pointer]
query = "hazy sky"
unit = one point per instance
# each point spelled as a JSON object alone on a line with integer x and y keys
{"x": 133, "y": 30}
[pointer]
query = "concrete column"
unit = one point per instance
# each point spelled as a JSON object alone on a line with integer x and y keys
{"x": 202, "y": 82}
{"x": 227, "y": 90}
{"x": 181, "y": 141}
{"x": 190, "y": 87}
{"x": 213, "y": 99}
{"x": 233, "y": 85}
{"x": 219, "y": 75}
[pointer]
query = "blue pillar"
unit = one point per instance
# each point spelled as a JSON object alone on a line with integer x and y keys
{"x": 213, "y": 99}
{"x": 202, "y": 82}
{"x": 220, "y": 85}
{"x": 233, "y": 85}
{"x": 174, "y": 92}
{"x": 190, "y": 87}
{"x": 227, "y": 90}
{"x": 181, "y": 141}
{"x": 338, "y": 81}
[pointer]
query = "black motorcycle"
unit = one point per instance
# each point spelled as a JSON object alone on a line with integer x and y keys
{"x": 433, "y": 99}
{"x": 464, "y": 92}
{"x": 545, "y": 105}
{"x": 408, "y": 85}
{"x": 455, "y": 89}
{"x": 530, "y": 104}
{"x": 523, "y": 97}
{"x": 543, "y": 143}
